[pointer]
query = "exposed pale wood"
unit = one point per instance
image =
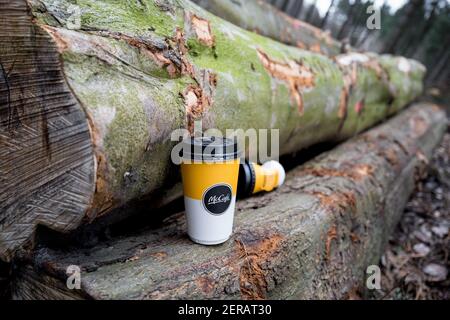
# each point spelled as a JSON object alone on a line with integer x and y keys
{"x": 313, "y": 238}
{"x": 46, "y": 157}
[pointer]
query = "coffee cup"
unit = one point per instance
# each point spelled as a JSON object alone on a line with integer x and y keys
{"x": 209, "y": 169}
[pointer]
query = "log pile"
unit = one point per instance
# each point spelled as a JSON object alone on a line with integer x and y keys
{"x": 312, "y": 238}
{"x": 86, "y": 112}
{"x": 261, "y": 17}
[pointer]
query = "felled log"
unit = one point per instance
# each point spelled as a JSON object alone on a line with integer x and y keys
{"x": 261, "y": 17}
{"x": 87, "y": 110}
{"x": 312, "y": 238}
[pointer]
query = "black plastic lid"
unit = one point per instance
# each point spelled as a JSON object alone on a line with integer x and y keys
{"x": 210, "y": 149}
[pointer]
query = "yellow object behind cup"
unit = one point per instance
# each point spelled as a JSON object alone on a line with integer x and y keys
{"x": 268, "y": 177}
{"x": 265, "y": 179}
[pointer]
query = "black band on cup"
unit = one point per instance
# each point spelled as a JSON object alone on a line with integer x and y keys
{"x": 210, "y": 149}
{"x": 247, "y": 179}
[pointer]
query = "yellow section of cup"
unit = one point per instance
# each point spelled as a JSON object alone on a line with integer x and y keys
{"x": 199, "y": 177}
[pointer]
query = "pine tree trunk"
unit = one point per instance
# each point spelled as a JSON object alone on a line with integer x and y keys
{"x": 392, "y": 44}
{"x": 323, "y": 24}
{"x": 415, "y": 43}
{"x": 86, "y": 114}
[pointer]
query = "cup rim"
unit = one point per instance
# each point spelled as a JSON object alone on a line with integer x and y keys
{"x": 210, "y": 149}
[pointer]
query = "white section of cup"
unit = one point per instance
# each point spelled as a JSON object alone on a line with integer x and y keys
{"x": 206, "y": 228}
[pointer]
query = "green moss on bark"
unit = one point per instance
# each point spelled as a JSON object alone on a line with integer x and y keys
{"x": 136, "y": 103}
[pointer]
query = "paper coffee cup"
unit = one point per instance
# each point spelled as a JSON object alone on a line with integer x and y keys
{"x": 210, "y": 168}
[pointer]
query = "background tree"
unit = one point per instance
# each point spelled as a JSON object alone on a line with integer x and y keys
{"x": 418, "y": 29}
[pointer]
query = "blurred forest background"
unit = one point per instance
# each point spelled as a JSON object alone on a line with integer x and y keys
{"x": 418, "y": 29}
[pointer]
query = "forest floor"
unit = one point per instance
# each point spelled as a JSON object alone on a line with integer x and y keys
{"x": 416, "y": 263}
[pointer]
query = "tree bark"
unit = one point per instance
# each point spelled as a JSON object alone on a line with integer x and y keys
{"x": 261, "y": 17}
{"x": 86, "y": 114}
{"x": 327, "y": 224}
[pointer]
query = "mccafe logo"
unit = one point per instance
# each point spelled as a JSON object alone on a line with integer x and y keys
{"x": 217, "y": 199}
{"x": 220, "y": 199}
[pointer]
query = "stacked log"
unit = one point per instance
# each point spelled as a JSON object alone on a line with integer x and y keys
{"x": 314, "y": 238}
{"x": 261, "y": 17}
{"x": 86, "y": 111}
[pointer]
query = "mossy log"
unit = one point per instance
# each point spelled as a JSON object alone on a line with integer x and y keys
{"x": 261, "y": 17}
{"x": 86, "y": 113}
{"x": 312, "y": 238}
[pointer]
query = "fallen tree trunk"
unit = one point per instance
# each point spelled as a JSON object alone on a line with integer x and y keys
{"x": 312, "y": 238}
{"x": 87, "y": 110}
{"x": 261, "y": 17}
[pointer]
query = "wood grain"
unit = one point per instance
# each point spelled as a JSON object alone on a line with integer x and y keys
{"x": 46, "y": 156}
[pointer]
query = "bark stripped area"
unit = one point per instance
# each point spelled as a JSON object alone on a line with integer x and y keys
{"x": 199, "y": 97}
{"x": 349, "y": 64}
{"x": 168, "y": 55}
{"x": 375, "y": 65}
{"x": 297, "y": 76}
{"x": 315, "y": 48}
{"x": 317, "y": 33}
{"x": 103, "y": 200}
{"x": 202, "y": 29}
{"x": 171, "y": 55}
{"x": 331, "y": 236}
{"x": 355, "y": 172}
{"x": 196, "y": 104}
{"x": 337, "y": 201}
{"x": 350, "y": 76}
{"x": 254, "y": 253}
